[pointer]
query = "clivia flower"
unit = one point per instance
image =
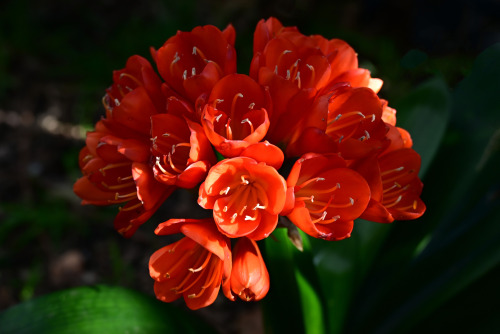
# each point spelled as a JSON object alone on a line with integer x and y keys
{"x": 306, "y": 107}
{"x": 191, "y": 63}
{"x": 249, "y": 275}
{"x": 182, "y": 153}
{"x": 194, "y": 267}
{"x": 324, "y": 196}
{"x": 246, "y": 197}
{"x": 236, "y": 114}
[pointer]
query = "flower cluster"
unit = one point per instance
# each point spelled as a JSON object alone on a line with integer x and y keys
{"x": 303, "y": 136}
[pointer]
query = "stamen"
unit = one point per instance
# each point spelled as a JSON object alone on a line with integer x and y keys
{"x": 329, "y": 190}
{"x": 250, "y": 218}
{"x": 134, "y": 79}
{"x": 258, "y": 206}
{"x": 174, "y": 61}
{"x": 225, "y": 191}
{"x": 243, "y": 180}
{"x": 243, "y": 210}
{"x": 251, "y": 105}
{"x": 218, "y": 117}
{"x": 163, "y": 170}
{"x": 246, "y": 120}
{"x": 132, "y": 194}
{"x": 111, "y": 166}
{"x": 172, "y": 136}
{"x": 193, "y": 71}
{"x": 130, "y": 208}
{"x": 126, "y": 178}
{"x": 399, "y": 169}
{"x": 118, "y": 186}
{"x": 229, "y": 132}
{"x": 184, "y": 75}
{"x": 306, "y": 183}
{"x": 216, "y": 102}
{"x": 394, "y": 203}
{"x": 233, "y": 104}
{"x": 313, "y": 72}
{"x": 203, "y": 264}
{"x": 172, "y": 164}
{"x": 200, "y": 53}
{"x": 297, "y": 77}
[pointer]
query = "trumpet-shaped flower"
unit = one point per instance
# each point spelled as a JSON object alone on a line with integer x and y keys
{"x": 236, "y": 115}
{"x": 181, "y": 151}
{"x": 191, "y": 63}
{"x": 194, "y": 267}
{"x": 249, "y": 276}
{"x": 246, "y": 197}
{"x": 324, "y": 196}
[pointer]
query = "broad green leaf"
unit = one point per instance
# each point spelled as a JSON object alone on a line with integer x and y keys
{"x": 294, "y": 303}
{"x": 98, "y": 309}
{"x": 341, "y": 265}
{"x": 425, "y": 114}
{"x": 427, "y": 262}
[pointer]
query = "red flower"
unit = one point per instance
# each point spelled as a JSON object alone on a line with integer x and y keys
{"x": 249, "y": 276}
{"x": 192, "y": 62}
{"x": 236, "y": 115}
{"x": 301, "y": 72}
{"x": 194, "y": 267}
{"x": 181, "y": 150}
{"x": 246, "y": 197}
{"x": 114, "y": 172}
{"x": 324, "y": 196}
{"x": 115, "y": 161}
{"x": 395, "y": 186}
{"x": 353, "y": 126}
{"x": 138, "y": 72}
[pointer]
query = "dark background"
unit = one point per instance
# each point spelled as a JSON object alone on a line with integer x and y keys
{"x": 57, "y": 58}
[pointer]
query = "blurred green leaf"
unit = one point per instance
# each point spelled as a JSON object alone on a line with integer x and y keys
{"x": 99, "y": 309}
{"x": 294, "y": 303}
{"x": 341, "y": 265}
{"x": 425, "y": 114}
{"x": 427, "y": 262}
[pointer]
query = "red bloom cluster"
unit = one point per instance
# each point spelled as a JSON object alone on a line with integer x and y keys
{"x": 305, "y": 101}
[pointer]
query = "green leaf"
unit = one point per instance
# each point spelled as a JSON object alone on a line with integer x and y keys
{"x": 425, "y": 114}
{"x": 341, "y": 266}
{"x": 294, "y": 303}
{"x": 426, "y": 262}
{"x": 99, "y": 309}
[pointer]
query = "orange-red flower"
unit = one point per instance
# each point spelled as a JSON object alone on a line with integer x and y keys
{"x": 249, "y": 276}
{"x": 301, "y": 72}
{"x": 353, "y": 126}
{"x": 236, "y": 115}
{"x": 246, "y": 197}
{"x": 191, "y": 63}
{"x": 114, "y": 172}
{"x": 395, "y": 186}
{"x": 181, "y": 151}
{"x": 324, "y": 196}
{"x": 138, "y": 72}
{"x": 115, "y": 161}
{"x": 194, "y": 267}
